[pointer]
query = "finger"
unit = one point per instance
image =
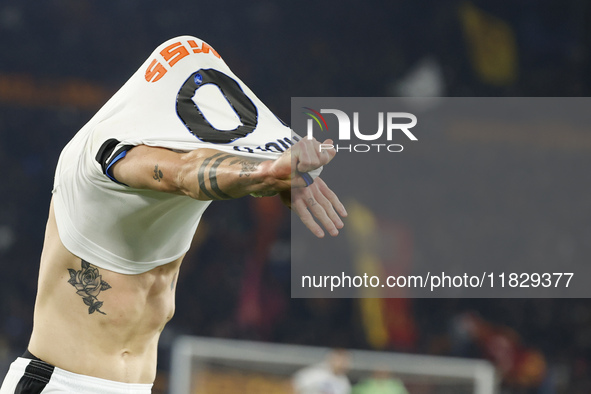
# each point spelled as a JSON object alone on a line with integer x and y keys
{"x": 300, "y": 155}
{"x": 329, "y": 209}
{"x": 331, "y": 153}
{"x": 310, "y": 163}
{"x": 325, "y": 152}
{"x": 332, "y": 197}
{"x": 305, "y": 216}
{"x": 329, "y": 141}
{"x": 321, "y": 215}
{"x": 310, "y": 156}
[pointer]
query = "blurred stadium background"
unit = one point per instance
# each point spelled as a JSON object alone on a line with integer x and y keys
{"x": 62, "y": 59}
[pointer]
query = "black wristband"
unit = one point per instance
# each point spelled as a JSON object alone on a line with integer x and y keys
{"x": 306, "y": 177}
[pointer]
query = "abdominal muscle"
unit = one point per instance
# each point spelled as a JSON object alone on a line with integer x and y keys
{"x": 119, "y": 345}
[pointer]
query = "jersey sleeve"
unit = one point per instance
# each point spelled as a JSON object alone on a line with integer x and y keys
{"x": 110, "y": 152}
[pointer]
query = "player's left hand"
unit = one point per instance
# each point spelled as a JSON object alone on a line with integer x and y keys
{"x": 316, "y": 203}
{"x": 303, "y": 157}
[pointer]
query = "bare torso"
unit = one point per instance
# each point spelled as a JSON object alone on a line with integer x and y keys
{"x": 119, "y": 345}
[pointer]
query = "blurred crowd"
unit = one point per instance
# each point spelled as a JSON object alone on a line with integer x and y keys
{"x": 235, "y": 281}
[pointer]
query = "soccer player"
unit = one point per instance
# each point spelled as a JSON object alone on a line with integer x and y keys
{"x": 129, "y": 191}
{"x": 329, "y": 376}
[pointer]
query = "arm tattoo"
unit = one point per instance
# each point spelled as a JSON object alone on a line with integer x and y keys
{"x": 212, "y": 176}
{"x": 214, "y": 180}
{"x": 248, "y": 167}
{"x": 214, "y": 191}
{"x": 157, "y": 174}
{"x": 89, "y": 283}
{"x": 201, "y": 176}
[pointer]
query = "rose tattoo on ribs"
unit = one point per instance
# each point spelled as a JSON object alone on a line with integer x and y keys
{"x": 89, "y": 283}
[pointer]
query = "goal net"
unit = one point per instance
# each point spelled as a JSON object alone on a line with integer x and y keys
{"x": 221, "y": 366}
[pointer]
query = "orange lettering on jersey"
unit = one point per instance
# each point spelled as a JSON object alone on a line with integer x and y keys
{"x": 206, "y": 48}
{"x": 174, "y": 52}
{"x": 155, "y": 71}
{"x": 193, "y": 44}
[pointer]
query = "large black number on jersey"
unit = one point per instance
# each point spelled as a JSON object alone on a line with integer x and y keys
{"x": 194, "y": 120}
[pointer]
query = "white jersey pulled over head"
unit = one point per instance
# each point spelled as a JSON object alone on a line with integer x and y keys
{"x": 184, "y": 97}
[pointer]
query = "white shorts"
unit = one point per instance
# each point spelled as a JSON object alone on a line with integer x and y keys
{"x": 38, "y": 377}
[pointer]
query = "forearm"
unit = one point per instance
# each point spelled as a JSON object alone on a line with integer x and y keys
{"x": 207, "y": 174}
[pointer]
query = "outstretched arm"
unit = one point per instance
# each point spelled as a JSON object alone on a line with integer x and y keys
{"x": 203, "y": 174}
{"x": 209, "y": 174}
